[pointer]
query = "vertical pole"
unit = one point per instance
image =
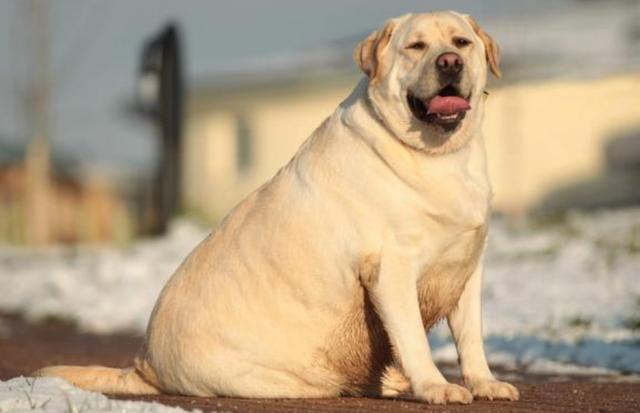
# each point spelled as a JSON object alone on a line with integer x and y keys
{"x": 37, "y": 162}
{"x": 171, "y": 118}
{"x": 167, "y": 179}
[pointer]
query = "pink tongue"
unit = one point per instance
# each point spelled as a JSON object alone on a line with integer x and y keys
{"x": 447, "y": 105}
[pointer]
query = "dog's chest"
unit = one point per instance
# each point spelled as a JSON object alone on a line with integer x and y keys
{"x": 443, "y": 278}
{"x": 451, "y": 233}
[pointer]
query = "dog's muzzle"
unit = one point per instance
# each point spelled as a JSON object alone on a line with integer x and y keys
{"x": 446, "y": 109}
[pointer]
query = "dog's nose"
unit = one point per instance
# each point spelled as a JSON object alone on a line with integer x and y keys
{"x": 449, "y": 63}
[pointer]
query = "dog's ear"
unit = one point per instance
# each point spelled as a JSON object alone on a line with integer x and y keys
{"x": 368, "y": 54}
{"x": 490, "y": 46}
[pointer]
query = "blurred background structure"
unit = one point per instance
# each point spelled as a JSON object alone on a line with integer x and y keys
{"x": 117, "y": 116}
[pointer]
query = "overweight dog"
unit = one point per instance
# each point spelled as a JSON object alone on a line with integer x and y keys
{"x": 324, "y": 281}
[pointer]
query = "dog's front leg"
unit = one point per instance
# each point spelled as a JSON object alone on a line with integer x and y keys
{"x": 395, "y": 297}
{"x": 465, "y": 322}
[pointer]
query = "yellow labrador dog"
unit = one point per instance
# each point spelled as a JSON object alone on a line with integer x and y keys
{"x": 324, "y": 281}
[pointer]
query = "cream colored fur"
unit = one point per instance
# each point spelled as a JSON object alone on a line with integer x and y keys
{"x": 324, "y": 281}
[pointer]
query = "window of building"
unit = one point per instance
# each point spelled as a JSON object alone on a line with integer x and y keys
{"x": 244, "y": 144}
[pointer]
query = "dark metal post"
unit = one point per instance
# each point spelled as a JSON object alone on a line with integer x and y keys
{"x": 161, "y": 66}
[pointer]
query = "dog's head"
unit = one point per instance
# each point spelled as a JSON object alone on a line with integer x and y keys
{"x": 427, "y": 74}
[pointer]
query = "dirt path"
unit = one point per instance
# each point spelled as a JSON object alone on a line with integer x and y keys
{"x": 25, "y": 347}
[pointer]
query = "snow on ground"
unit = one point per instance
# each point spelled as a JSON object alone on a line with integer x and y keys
{"x": 101, "y": 289}
{"x": 56, "y": 395}
{"x": 557, "y": 297}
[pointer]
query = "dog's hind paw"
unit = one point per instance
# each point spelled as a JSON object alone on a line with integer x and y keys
{"x": 395, "y": 383}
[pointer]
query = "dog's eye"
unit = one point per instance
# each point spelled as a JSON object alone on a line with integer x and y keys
{"x": 461, "y": 42}
{"x": 419, "y": 45}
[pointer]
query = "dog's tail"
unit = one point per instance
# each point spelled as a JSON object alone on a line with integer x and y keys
{"x": 102, "y": 379}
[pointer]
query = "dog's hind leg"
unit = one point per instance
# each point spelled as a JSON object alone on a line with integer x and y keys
{"x": 394, "y": 383}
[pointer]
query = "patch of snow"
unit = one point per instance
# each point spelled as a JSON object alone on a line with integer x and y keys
{"x": 101, "y": 289}
{"x": 53, "y": 395}
{"x": 580, "y": 275}
{"x": 566, "y": 294}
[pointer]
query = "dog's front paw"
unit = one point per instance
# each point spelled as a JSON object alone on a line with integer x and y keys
{"x": 444, "y": 394}
{"x": 493, "y": 390}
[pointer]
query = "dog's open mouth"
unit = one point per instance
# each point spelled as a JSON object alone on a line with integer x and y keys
{"x": 446, "y": 109}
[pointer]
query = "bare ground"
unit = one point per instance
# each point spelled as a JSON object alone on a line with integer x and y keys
{"x": 25, "y": 347}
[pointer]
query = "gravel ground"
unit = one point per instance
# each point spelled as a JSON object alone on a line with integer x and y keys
{"x": 25, "y": 347}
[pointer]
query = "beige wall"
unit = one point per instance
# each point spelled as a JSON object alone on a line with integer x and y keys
{"x": 547, "y": 135}
{"x": 539, "y": 136}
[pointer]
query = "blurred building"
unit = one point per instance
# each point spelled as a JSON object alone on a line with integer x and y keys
{"x": 571, "y": 86}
